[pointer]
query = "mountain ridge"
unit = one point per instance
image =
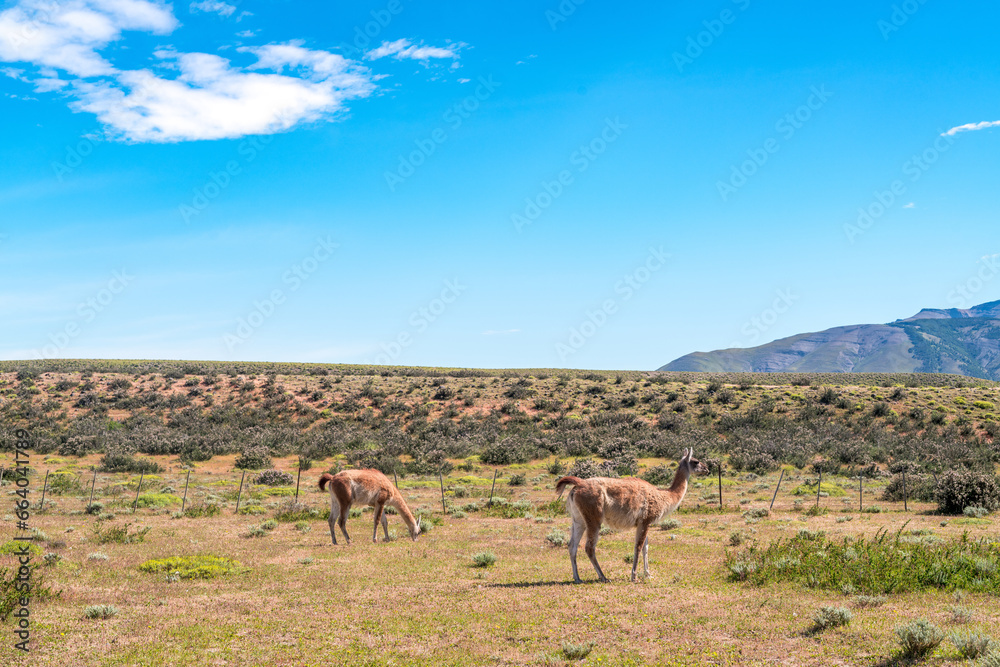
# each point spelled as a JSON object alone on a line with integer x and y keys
{"x": 959, "y": 341}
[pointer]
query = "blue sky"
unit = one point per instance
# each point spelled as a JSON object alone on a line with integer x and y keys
{"x": 515, "y": 184}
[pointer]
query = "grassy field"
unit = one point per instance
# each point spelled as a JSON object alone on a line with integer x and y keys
{"x": 297, "y": 600}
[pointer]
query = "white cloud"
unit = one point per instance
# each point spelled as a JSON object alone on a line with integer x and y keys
{"x": 910, "y": 205}
{"x": 220, "y": 8}
{"x": 210, "y": 99}
{"x": 183, "y": 96}
{"x": 971, "y": 127}
{"x": 68, "y": 35}
{"x": 404, "y": 49}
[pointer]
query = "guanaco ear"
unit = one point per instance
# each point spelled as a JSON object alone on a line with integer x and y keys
{"x": 687, "y": 455}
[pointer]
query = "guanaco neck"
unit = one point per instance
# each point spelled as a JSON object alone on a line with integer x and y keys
{"x": 680, "y": 483}
{"x": 404, "y": 511}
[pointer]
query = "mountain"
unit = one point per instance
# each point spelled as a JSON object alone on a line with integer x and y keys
{"x": 964, "y": 342}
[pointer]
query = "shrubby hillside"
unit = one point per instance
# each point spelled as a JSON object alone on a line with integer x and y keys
{"x": 414, "y": 420}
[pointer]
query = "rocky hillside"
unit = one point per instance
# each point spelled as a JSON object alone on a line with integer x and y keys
{"x": 963, "y": 342}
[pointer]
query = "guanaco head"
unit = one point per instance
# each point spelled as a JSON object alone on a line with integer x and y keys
{"x": 693, "y": 464}
{"x": 415, "y": 531}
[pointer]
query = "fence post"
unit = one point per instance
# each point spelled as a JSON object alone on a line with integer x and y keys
{"x": 720, "y": 485}
{"x": 135, "y": 504}
{"x": 240, "y": 493}
{"x": 441, "y": 479}
{"x": 819, "y": 486}
{"x": 45, "y": 485}
{"x": 777, "y": 486}
{"x": 905, "y": 508}
{"x": 490, "y": 503}
{"x": 395, "y": 480}
{"x": 1, "y": 476}
{"x": 185, "y": 499}
{"x": 297, "y": 477}
{"x": 861, "y": 492}
{"x": 93, "y": 485}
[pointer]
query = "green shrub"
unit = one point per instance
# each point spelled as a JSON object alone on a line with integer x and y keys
{"x": 918, "y": 487}
{"x": 975, "y": 512}
{"x": 201, "y": 510}
{"x": 11, "y": 595}
{"x": 670, "y": 524}
{"x": 556, "y": 538}
{"x": 517, "y": 479}
{"x": 94, "y": 509}
{"x": 253, "y": 458}
{"x": 484, "y": 559}
{"x": 972, "y": 645}
{"x": 117, "y": 461}
{"x": 831, "y": 617}
{"x": 274, "y": 478}
{"x": 659, "y": 475}
{"x": 919, "y": 638}
{"x": 957, "y": 490}
{"x": 157, "y": 500}
{"x": 193, "y": 567}
{"x": 557, "y": 468}
{"x": 577, "y": 651}
{"x": 120, "y": 535}
{"x": 100, "y": 611}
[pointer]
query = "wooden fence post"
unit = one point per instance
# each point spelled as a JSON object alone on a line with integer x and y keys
{"x": 186, "y": 482}
{"x": 135, "y": 504}
{"x": 776, "y": 487}
{"x": 93, "y": 485}
{"x": 905, "y": 508}
{"x": 299, "y": 475}
{"x": 441, "y": 479}
{"x": 395, "y": 480}
{"x": 490, "y": 503}
{"x": 45, "y": 485}
{"x": 240, "y": 493}
{"x": 720, "y": 485}
{"x": 861, "y": 492}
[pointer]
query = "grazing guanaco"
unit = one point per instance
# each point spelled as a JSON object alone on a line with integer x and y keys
{"x": 365, "y": 487}
{"x": 622, "y": 503}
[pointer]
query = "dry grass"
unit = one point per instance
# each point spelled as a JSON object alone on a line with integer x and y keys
{"x": 422, "y": 603}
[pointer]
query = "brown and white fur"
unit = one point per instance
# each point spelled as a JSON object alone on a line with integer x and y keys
{"x": 622, "y": 503}
{"x": 365, "y": 487}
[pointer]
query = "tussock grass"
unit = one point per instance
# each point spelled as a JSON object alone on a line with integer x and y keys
{"x": 100, "y": 611}
{"x": 484, "y": 559}
{"x": 919, "y": 638}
